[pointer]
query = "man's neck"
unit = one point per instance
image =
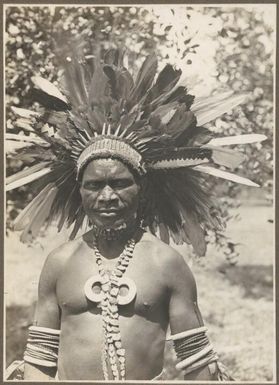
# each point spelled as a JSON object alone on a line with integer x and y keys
{"x": 112, "y": 247}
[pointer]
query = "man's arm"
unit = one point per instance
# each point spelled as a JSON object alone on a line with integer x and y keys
{"x": 184, "y": 313}
{"x": 47, "y": 314}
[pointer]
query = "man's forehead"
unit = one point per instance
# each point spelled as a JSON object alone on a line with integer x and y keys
{"x": 106, "y": 167}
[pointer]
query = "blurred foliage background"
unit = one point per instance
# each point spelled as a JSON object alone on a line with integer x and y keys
{"x": 217, "y": 48}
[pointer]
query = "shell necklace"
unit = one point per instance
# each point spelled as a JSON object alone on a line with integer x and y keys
{"x": 108, "y": 298}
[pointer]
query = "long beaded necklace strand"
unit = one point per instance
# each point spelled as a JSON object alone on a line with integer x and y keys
{"x": 113, "y": 353}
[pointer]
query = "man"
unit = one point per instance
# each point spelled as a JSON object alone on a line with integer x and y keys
{"x": 128, "y": 156}
{"x": 166, "y": 289}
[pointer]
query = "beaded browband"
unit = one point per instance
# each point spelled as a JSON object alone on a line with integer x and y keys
{"x": 104, "y": 147}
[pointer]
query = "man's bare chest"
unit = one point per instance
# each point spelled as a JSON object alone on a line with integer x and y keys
{"x": 151, "y": 293}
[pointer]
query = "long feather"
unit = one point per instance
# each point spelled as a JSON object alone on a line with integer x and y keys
{"x": 164, "y": 110}
{"x": 180, "y": 95}
{"x": 56, "y": 118}
{"x": 176, "y": 163}
{"x": 180, "y": 187}
{"x": 63, "y": 201}
{"x": 24, "y": 124}
{"x": 144, "y": 79}
{"x": 24, "y": 138}
{"x": 111, "y": 74}
{"x": 22, "y": 219}
{"x": 125, "y": 84}
{"x": 165, "y": 81}
{"x": 237, "y": 139}
{"x": 162, "y": 98}
{"x": 225, "y": 175}
{"x": 214, "y": 110}
{"x": 180, "y": 123}
{"x": 226, "y": 157}
{"x": 166, "y": 78}
{"x": 27, "y": 176}
{"x": 25, "y": 172}
{"x": 203, "y": 101}
{"x": 164, "y": 233}
{"x": 39, "y": 216}
{"x": 24, "y": 113}
{"x": 68, "y": 85}
{"x": 98, "y": 86}
{"x": 12, "y": 146}
{"x": 78, "y": 224}
{"x": 177, "y": 237}
{"x": 197, "y": 136}
{"x": 83, "y": 77}
{"x": 49, "y": 88}
{"x": 177, "y": 153}
{"x": 30, "y": 154}
{"x": 194, "y": 232}
{"x": 111, "y": 56}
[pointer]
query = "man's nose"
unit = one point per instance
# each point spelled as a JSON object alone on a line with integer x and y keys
{"x": 108, "y": 195}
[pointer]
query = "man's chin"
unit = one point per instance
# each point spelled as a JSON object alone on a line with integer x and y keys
{"x": 113, "y": 229}
{"x": 108, "y": 221}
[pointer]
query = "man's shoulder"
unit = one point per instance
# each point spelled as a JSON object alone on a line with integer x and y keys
{"x": 167, "y": 256}
{"x": 60, "y": 255}
{"x": 171, "y": 264}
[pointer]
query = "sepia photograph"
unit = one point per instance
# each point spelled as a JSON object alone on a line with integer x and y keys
{"x": 139, "y": 213}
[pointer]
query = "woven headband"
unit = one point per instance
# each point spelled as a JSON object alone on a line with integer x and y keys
{"x": 110, "y": 147}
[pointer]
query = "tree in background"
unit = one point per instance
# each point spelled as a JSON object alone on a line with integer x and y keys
{"x": 229, "y": 48}
{"x": 217, "y": 48}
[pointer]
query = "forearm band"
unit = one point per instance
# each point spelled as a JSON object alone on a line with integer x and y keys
{"x": 194, "y": 351}
{"x": 42, "y": 346}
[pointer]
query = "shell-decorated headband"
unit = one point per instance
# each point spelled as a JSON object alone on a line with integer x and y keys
{"x": 149, "y": 122}
{"x": 110, "y": 146}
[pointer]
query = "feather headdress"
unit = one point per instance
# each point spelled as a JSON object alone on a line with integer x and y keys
{"x": 150, "y": 123}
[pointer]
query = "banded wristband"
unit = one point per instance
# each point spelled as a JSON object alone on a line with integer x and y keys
{"x": 194, "y": 351}
{"x": 42, "y": 346}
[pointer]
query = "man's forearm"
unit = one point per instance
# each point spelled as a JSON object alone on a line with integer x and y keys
{"x": 38, "y": 373}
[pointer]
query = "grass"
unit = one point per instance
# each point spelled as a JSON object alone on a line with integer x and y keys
{"x": 236, "y": 301}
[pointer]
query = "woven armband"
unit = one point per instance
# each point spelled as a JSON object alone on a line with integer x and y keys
{"x": 42, "y": 346}
{"x": 194, "y": 351}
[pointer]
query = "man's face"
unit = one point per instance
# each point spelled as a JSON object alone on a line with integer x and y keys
{"x": 110, "y": 194}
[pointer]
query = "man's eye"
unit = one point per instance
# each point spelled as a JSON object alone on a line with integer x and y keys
{"x": 121, "y": 184}
{"x": 91, "y": 185}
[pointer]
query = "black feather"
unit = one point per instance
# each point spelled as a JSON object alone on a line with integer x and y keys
{"x": 166, "y": 80}
{"x": 144, "y": 79}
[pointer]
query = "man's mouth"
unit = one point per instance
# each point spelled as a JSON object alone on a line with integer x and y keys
{"x": 108, "y": 212}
